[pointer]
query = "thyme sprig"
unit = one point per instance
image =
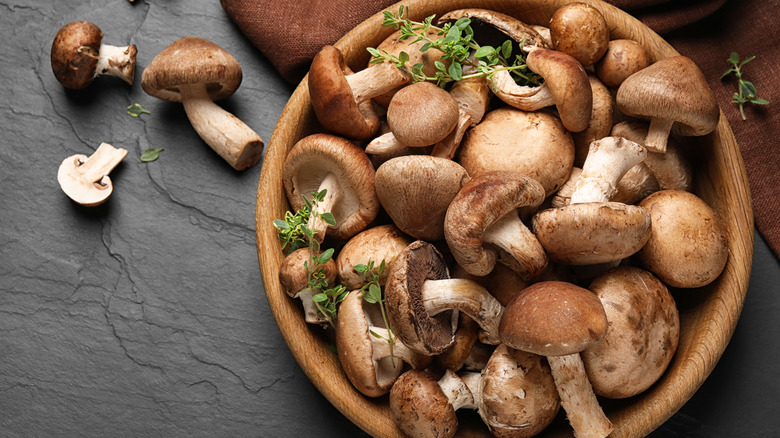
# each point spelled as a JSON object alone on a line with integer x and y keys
{"x": 747, "y": 91}
{"x": 456, "y": 41}
{"x": 372, "y": 293}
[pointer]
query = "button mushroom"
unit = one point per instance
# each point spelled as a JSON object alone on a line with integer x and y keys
{"x": 687, "y": 246}
{"x": 559, "y": 320}
{"x": 85, "y": 179}
{"x": 294, "y": 279}
{"x": 672, "y": 92}
{"x": 342, "y": 99}
{"x": 78, "y": 56}
{"x": 622, "y": 59}
{"x": 196, "y": 72}
{"x": 580, "y": 31}
{"x": 376, "y": 244}
{"x": 644, "y": 330}
{"x": 482, "y": 225}
{"x": 326, "y": 162}
{"x": 422, "y": 301}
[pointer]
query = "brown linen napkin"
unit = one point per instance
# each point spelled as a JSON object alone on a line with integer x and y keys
{"x": 291, "y": 32}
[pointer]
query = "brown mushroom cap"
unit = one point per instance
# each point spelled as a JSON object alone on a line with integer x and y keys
{"x": 579, "y": 30}
{"x": 420, "y": 408}
{"x": 687, "y": 246}
{"x": 192, "y": 60}
{"x": 532, "y": 143}
{"x": 74, "y": 53}
{"x": 422, "y": 114}
{"x": 314, "y": 157}
{"x": 518, "y": 397}
{"x": 416, "y": 190}
{"x": 644, "y": 330}
{"x": 622, "y": 59}
{"x": 376, "y": 244}
{"x": 553, "y": 318}
{"x": 294, "y": 277}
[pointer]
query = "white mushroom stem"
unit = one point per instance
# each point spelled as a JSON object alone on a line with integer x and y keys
{"x": 509, "y": 233}
{"x": 458, "y": 394}
{"x": 384, "y": 144}
{"x": 101, "y": 163}
{"x": 310, "y": 312}
{"x": 607, "y": 161}
{"x": 375, "y": 81}
{"x": 466, "y": 296}
{"x": 117, "y": 61}
{"x": 231, "y": 138}
{"x": 447, "y": 147}
{"x": 577, "y": 398}
{"x": 473, "y": 97}
{"x": 519, "y": 96}
{"x": 85, "y": 179}
{"x": 658, "y": 134}
{"x": 332, "y": 196}
{"x": 380, "y": 349}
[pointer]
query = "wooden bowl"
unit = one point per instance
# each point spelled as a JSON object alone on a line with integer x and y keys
{"x": 708, "y": 315}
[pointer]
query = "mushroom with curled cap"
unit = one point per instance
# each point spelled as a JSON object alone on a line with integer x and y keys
{"x": 294, "y": 279}
{"x": 196, "y": 72}
{"x": 687, "y": 246}
{"x": 342, "y": 99}
{"x": 673, "y": 93}
{"x": 78, "y": 56}
{"x": 622, "y": 59}
{"x": 482, "y": 225}
{"x": 370, "y": 362}
{"x": 644, "y": 330}
{"x": 373, "y": 245}
{"x": 559, "y": 320}
{"x": 580, "y": 31}
{"x": 85, "y": 179}
{"x": 423, "y": 302}
{"x": 591, "y": 229}
{"x": 415, "y": 191}
{"x": 327, "y": 162}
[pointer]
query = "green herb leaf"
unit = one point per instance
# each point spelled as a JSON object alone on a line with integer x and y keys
{"x": 319, "y": 298}
{"x": 746, "y": 90}
{"x": 326, "y": 256}
{"x": 759, "y": 101}
{"x": 151, "y": 154}
{"x": 136, "y": 110}
{"x": 328, "y": 218}
{"x": 484, "y": 51}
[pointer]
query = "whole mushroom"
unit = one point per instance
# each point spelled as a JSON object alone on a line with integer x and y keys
{"x": 294, "y": 279}
{"x": 78, "y": 56}
{"x": 579, "y": 30}
{"x": 373, "y": 245}
{"x": 196, "y": 72}
{"x": 622, "y": 59}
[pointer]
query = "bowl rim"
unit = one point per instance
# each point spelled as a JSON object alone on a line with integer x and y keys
{"x": 707, "y": 328}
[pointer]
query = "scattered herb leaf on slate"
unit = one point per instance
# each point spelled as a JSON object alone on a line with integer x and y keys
{"x": 151, "y": 154}
{"x": 136, "y": 110}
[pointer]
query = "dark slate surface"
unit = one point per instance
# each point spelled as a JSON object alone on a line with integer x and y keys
{"x": 146, "y": 317}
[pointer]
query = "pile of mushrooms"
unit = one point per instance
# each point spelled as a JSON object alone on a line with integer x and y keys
{"x": 533, "y": 237}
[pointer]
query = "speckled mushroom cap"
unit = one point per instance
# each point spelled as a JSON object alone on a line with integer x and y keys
{"x": 579, "y": 30}
{"x": 420, "y": 408}
{"x": 425, "y": 334}
{"x": 311, "y": 159}
{"x": 192, "y": 60}
{"x": 532, "y": 143}
{"x": 518, "y": 397}
{"x": 422, "y": 114}
{"x": 293, "y": 276}
{"x": 553, "y": 318}
{"x": 644, "y": 330}
{"x": 673, "y": 89}
{"x": 74, "y": 53}
{"x": 687, "y": 246}
{"x": 622, "y": 59}
{"x": 376, "y": 244}
{"x": 415, "y": 191}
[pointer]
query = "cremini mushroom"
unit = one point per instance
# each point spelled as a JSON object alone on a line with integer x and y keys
{"x": 416, "y": 190}
{"x": 365, "y": 354}
{"x": 294, "y": 279}
{"x": 473, "y": 98}
{"x": 600, "y": 122}
{"x": 622, "y": 59}
{"x": 423, "y": 302}
{"x": 327, "y": 162}
{"x": 482, "y": 225}
{"x": 196, "y": 72}
{"x": 532, "y": 143}
{"x": 85, "y": 179}
{"x": 342, "y": 99}
{"x": 634, "y": 186}
{"x": 422, "y": 114}
{"x": 376, "y": 244}
{"x": 559, "y": 320}
{"x": 644, "y": 330}
{"x": 580, "y": 31}
{"x": 78, "y": 56}
{"x": 687, "y": 246}
{"x": 673, "y": 93}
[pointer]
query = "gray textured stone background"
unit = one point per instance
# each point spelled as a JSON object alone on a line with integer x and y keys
{"x": 146, "y": 317}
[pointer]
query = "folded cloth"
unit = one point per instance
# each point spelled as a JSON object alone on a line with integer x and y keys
{"x": 290, "y": 32}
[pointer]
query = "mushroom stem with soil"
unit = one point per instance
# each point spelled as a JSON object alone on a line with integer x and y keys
{"x": 85, "y": 179}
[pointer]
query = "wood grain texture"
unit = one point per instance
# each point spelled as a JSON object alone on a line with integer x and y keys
{"x": 708, "y": 315}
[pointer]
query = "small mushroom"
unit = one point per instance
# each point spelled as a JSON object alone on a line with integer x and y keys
{"x": 422, "y": 114}
{"x": 473, "y": 98}
{"x": 368, "y": 359}
{"x": 687, "y": 246}
{"x": 342, "y": 99}
{"x": 416, "y": 190}
{"x": 579, "y": 30}
{"x": 196, "y": 72}
{"x": 326, "y": 162}
{"x": 85, "y": 179}
{"x": 423, "y": 302}
{"x": 559, "y": 320}
{"x": 532, "y": 143}
{"x": 672, "y": 93}
{"x": 294, "y": 279}
{"x": 644, "y": 330}
{"x": 622, "y": 59}
{"x": 78, "y": 56}
{"x": 377, "y": 244}
{"x": 482, "y": 225}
